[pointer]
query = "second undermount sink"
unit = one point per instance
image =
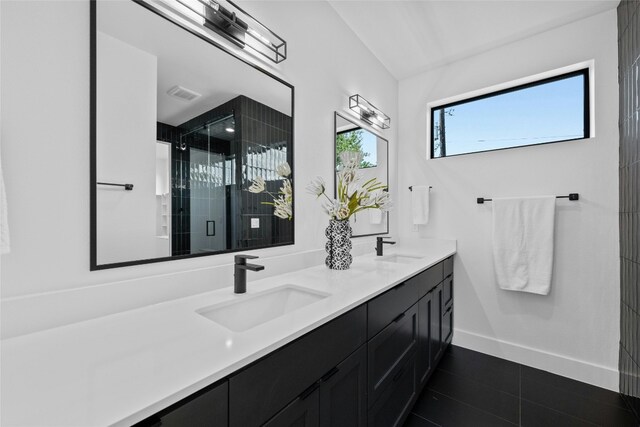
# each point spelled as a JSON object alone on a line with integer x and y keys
{"x": 249, "y": 311}
{"x": 399, "y": 258}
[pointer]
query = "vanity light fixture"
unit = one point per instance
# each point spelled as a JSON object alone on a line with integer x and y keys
{"x": 368, "y": 113}
{"x": 228, "y": 20}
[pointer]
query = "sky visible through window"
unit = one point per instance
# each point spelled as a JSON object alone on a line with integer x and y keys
{"x": 545, "y": 113}
{"x": 370, "y": 146}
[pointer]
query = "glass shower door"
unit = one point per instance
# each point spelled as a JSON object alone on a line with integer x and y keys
{"x": 208, "y": 201}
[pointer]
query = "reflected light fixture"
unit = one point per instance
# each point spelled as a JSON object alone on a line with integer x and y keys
{"x": 228, "y": 20}
{"x": 368, "y": 113}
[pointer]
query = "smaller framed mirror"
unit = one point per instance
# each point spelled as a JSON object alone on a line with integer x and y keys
{"x": 374, "y": 152}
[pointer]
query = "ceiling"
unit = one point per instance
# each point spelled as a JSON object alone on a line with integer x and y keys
{"x": 410, "y": 37}
{"x": 187, "y": 61}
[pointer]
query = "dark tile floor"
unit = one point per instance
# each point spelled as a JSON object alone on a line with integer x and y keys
{"x": 475, "y": 389}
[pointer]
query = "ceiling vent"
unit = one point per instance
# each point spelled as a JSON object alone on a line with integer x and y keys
{"x": 183, "y": 93}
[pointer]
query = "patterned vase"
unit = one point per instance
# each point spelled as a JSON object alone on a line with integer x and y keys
{"x": 338, "y": 245}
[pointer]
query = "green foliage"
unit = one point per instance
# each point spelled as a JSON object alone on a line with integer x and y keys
{"x": 351, "y": 141}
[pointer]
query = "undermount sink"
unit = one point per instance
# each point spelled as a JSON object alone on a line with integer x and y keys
{"x": 249, "y": 311}
{"x": 399, "y": 258}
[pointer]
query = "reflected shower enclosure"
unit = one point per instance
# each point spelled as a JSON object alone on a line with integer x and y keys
{"x": 214, "y": 158}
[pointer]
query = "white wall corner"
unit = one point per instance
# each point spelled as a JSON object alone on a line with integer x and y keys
{"x": 579, "y": 370}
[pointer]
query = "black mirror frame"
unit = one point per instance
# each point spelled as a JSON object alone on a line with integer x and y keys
{"x": 93, "y": 257}
{"x": 335, "y": 184}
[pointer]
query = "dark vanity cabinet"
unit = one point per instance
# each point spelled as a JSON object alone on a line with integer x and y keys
{"x": 337, "y": 399}
{"x": 436, "y": 346}
{"x": 364, "y": 368}
{"x": 425, "y": 361}
{"x": 206, "y": 408}
{"x": 295, "y": 372}
{"x": 446, "y": 325}
{"x": 405, "y": 330}
{"x": 392, "y": 369}
{"x": 343, "y": 395}
{"x": 302, "y": 412}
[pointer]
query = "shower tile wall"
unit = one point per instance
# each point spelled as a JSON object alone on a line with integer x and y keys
{"x": 263, "y": 140}
{"x": 180, "y": 214}
{"x": 629, "y": 125}
{"x": 266, "y": 136}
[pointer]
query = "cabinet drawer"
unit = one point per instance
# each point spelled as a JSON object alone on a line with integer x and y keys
{"x": 428, "y": 279}
{"x": 397, "y": 400}
{"x": 447, "y": 326}
{"x": 264, "y": 388}
{"x": 388, "y": 351}
{"x": 448, "y": 266}
{"x": 447, "y": 291}
{"x": 343, "y": 395}
{"x": 388, "y": 306}
{"x": 206, "y": 408}
{"x": 302, "y": 412}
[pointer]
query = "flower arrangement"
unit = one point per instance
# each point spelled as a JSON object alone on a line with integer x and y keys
{"x": 283, "y": 200}
{"x": 353, "y": 195}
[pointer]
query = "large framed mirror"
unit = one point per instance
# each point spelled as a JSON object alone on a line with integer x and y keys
{"x": 180, "y": 127}
{"x": 373, "y": 150}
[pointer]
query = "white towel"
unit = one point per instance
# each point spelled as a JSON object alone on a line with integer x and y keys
{"x": 4, "y": 224}
{"x": 375, "y": 216}
{"x": 523, "y": 243}
{"x": 420, "y": 204}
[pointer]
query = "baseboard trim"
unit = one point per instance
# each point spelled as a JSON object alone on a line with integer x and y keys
{"x": 580, "y": 370}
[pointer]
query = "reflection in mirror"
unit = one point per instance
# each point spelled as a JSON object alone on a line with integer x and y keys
{"x": 190, "y": 126}
{"x": 352, "y": 140}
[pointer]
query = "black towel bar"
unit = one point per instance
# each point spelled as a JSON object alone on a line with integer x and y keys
{"x": 128, "y": 187}
{"x": 571, "y": 196}
{"x": 411, "y": 188}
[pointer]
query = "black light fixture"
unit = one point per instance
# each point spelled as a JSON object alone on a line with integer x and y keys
{"x": 368, "y": 113}
{"x": 228, "y": 20}
{"x": 225, "y": 23}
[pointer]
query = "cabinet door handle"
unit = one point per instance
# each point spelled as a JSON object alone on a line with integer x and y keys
{"x": 329, "y": 374}
{"x": 310, "y": 390}
{"x": 399, "y": 317}
{"x": 211, "y": 228}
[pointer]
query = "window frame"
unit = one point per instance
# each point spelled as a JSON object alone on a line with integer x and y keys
{"x": 583, "y": 69}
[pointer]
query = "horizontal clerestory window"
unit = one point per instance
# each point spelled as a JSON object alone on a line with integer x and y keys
{"x": 550, "y": 110}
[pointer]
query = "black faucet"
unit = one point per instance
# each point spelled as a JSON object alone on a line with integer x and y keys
{"x": 240, "y": 272}
{"x": 379, "y": 242}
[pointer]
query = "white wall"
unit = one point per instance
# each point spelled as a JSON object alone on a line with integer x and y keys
{"x": 126, "y": 139}
{"x": 574, "y": 330}
{"x": 45, "y": 280}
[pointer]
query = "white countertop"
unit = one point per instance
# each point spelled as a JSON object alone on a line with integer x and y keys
{"x": 119, "y": 369}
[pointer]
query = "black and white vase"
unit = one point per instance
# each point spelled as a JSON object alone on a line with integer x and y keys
{"x": 338, "y": 245}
